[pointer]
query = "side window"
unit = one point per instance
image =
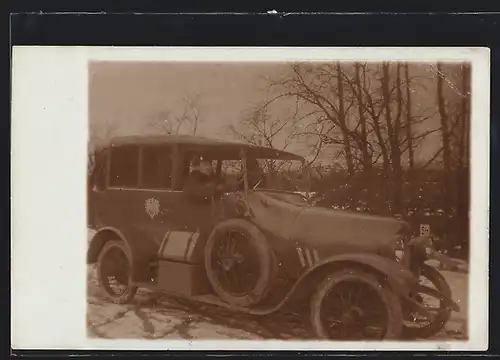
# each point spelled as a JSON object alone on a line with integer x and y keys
{"x": 156, "y": 167}
{"x": 231, "y": 168}
{"x": 231, "y": 172}
{"x": 98, "y": 178}
{"x": 184, "y": 168}
{"x": 124, "y": 171}
{"x": 183, "y": 172}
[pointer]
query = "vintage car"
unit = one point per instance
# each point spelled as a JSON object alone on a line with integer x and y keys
{"x": 253, "y": 246}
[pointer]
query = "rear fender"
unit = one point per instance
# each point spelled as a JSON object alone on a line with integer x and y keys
{"x": 390, "y": 272}
{"x": 100, "y": 238}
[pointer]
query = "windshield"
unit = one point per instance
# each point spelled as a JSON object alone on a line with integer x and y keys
{"x": 269, "y": 174}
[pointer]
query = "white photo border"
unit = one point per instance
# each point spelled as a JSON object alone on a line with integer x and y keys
{"x": 49, "y": 155}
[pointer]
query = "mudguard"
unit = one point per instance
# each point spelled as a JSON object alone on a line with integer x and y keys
{"x": 100, "y": 237}
{"x": 140, "y": 257}
{"x": 399, "y": 278}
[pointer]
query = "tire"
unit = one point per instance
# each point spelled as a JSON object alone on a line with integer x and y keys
{"x": 438, "y": 280}
{"x": 103, "y": 264}
{"x": 390, "y": 305}
{"x": 230, "y": 266}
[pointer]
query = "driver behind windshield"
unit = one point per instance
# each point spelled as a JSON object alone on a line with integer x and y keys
{"x": 201, "y": 184}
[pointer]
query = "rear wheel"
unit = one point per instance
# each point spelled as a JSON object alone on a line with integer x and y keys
{"x": 239, "y": 262}
{"x": 114, "y": 270}
{"x": 353, "y": 305}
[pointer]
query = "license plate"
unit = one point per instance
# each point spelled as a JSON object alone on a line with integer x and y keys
{"x": 425, "y": 229}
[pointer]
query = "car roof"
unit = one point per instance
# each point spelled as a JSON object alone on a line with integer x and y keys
{"x": 228, "y": 149}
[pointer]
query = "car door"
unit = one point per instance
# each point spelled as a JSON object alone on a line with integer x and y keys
{"x": 167, "y": 214}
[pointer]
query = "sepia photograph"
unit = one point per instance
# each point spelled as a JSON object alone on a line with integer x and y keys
{"x": 304, "y": 200}
{"x": 251, "y": 198}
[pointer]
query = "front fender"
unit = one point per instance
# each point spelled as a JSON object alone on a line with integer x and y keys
{"x": 395, "y": 275}
{"x": 399, "y": 278}
{"x": 390, "y": 272}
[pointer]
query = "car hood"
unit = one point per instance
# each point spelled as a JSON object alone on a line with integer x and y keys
{"x": 275, "y": 212}
{"x": 339, "y": 231}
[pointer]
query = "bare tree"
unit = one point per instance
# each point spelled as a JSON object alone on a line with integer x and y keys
{"x": 321, "y": 89}
{"x": 445, "y": 135}
{"x": 364, "y": 140}
{"x": 187, "y": 120}
{"x": 193, "y": 107}
{"x": 462, "y": 174}
{"x": 343, "y": 107}
{"x": 457, "y": 181}
{"x": 461, "y": 120}
{"x": 453, "y": 100}
{"x": 167, "y": 123}
{"x": 372, "y": 139}
{"x": 409, "y": 130}
{"x": 260, "y": 128}
{"x": 393, "y": 129}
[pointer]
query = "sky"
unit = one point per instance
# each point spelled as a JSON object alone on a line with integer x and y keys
{"x": 125, "y": 97}
{"x": 130, "y": 95}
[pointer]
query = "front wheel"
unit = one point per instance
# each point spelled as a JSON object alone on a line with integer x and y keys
{"x": 353, "y": 305}
{"x": 114, "y": 272}
{"x": 416, "y": 326}
{"x": 239, "y": 262}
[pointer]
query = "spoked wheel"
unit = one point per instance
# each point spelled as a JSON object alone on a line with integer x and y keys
{"x": 239, "y": 262}
{"x": 115, "y": 272}
{"x": 353, "y": 305}
{"x": 418, "y": 326}
{"x": 236, "y": 263}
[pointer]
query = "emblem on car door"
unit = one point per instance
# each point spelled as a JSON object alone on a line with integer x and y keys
{"x": 152, "y": 207}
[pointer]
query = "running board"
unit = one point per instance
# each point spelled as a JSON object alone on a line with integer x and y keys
{"x": 211, "y": 299}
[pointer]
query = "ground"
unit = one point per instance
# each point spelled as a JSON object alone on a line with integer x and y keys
{"x": 149, "y": 317}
